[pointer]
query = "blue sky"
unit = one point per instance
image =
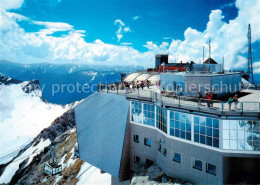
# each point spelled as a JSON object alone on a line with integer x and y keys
{"x": 124, "y": 32}
{"x": 155, "y": 21}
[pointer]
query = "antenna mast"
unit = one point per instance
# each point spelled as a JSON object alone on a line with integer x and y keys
{"x": 250, "y": 62}
{"x": 209, "y": 51}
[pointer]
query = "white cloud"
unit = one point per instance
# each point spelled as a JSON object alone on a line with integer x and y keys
{"x": 228, "y": 39}
{"x": 10, "y": 4}
{"x": 135, "y": 18}
{"x": 121, "y": 29}
{"x": 256, "y": 67}
{"x": 52, "y": 27}
{"x": 126, "y": 43}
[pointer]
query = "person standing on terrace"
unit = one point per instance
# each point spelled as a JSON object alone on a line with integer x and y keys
{"x": 235, "y": 100}
{"x": 230, "y": 101}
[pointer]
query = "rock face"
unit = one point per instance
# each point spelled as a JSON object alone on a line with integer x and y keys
{"x": 61, "y": 130}
{"x": 6, "y": 81}
{"x": 153, "y": 175}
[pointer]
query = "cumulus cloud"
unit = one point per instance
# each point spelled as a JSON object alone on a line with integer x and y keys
{"x": 228, "y": 39}
{"x": 10, "y": 4}
{"x": 121, "y": 29}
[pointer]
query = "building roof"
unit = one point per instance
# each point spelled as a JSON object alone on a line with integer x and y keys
{"x": 210, "y": 61}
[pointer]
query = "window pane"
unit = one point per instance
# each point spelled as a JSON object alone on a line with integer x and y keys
{"x": 215, "y": 123}
{"x": 202, "y": 130}
{"x": 188, "y": 118}
{"x": 198, "y": 164}
{"x": 171, "y": 114}
{"x": 188, "y": 126}
{"x": 177, "y": 157}
{"x": 208, "y": 122}
{"x": 183, "y": 125}
{"x": 183, "y": 117}
{"x": 188, "y": 135}
{"x": 196, "y": 120}
{"x": 172, "y": 123}
{"x": 172, "y": 131}
{"x": 177, "y": 124}
{"x": 211, "y": 169}
{"x": 177, "y": 116}
{"x": 177, "y": 134}
{"x": 196, "y": 128}
{"x": 216, "y": 143}
{"x": 215, "y": 133}
{"x": 209, "y": 141}
{"x": 202, "y": 139}
{"x": 182, "y": 134}
{"x": 196, "y": 138}
{"x": 202, "y": 121}
{"x": 209, "y": 131}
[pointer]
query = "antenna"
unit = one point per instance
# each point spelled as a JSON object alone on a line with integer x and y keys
{"x": 250, "y": 62}
{"x": 209, "y": 51}
{"x": 223, "y": 62}
{"x": 203, "y": 53}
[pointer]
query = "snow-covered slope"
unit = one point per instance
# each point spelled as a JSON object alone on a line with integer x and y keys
{"x": 23, "y": 114}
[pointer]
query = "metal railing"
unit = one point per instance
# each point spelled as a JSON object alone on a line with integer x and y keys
{"x": 184, "y": 102}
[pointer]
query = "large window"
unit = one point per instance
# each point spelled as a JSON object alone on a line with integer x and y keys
{"x": 197, "y": 164}
{"x": 147, "y": 142}
{"x": 211, "y": 169}
{"x": 206, "y": 131}
{"x": 136, "y": 138}
{"x": 137, "y": 159}
{"x": 176, "y": 157}
{"x": 241, "y": 135}
{"x": 149, "y": 114}
{"x": 161, "y": 118}
{"x": 180, "y": 125}
{"x": 136, "y": 112}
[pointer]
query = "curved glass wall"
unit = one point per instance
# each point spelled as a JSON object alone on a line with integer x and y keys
{"x": 161, "y": 118}
{"x": 206, "y": 131}
{"x": 180, "y": 125}
{"x": 149, "y": 114}
{"x": 241, "y": 135}
{"x": 224, "y": 134}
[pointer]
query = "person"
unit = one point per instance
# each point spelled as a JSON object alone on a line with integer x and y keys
{"x": 163, "y": 91}
{"x": 235, "y": 100}
{"x": 142, "y": 85}
{"x": 230, "y": 101}
{"x": 208, "y": 97}
{"x": 148, "y": 83}
{"x": 137, "y": 85}
{"x": 211, "y": 98}
{"x": 199, "y": 97}
{"x": 131, "y": 87}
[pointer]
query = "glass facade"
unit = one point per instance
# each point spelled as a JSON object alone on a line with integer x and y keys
{"x": 241, "y": 135}
{"x": 180, "y": 125}
{"x": 234, "y": 134}
{"x": 161, "y": 118}
{"x": 149, "y": 114}
{"x": 136, "y": 112}
{"x": 206, "y": 131}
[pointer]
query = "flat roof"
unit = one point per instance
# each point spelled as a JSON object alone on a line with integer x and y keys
{"x": 201, "y": 74}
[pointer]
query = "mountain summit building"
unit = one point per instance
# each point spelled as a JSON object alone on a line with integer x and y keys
{"x": 121, "y": 128}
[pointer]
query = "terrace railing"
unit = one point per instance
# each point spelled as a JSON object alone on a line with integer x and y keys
{"x": 184, "y": 102}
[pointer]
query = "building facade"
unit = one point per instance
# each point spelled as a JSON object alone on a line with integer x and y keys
{"x": 193, "y": 146}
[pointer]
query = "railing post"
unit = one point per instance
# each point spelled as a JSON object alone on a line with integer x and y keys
{"x": 179, "y": 101}
{"x": 242, "y": 106}
{"x": 199, "y": 104}
{"x": 138, "y": 93}
{"x": 107, "y": 87}
{"x": 222, "y": 107}
{"x": 259, "y": 105}
{"x": 117, "y": 89}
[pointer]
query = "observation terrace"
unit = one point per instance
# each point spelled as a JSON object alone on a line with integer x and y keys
{"x": 247, "y": 106}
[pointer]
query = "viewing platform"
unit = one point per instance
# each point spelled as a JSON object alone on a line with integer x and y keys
{"x": 246, "y": 106}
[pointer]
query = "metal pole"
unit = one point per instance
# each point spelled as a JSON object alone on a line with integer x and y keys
{"x": 222, "y": 107}
{"x": 179, "y": 101}
{"x": 242, "y": 106}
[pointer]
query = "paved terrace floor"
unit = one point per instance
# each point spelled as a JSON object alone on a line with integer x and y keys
{"x": 248, "y": 105}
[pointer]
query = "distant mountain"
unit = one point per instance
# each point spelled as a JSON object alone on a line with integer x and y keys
{"x": 23, "y": 114}
{"x": 65, "y": 77}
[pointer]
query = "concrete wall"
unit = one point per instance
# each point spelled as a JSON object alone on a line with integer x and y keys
{"x": 222, "y": 84}
{"x": 101, "y": 132}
